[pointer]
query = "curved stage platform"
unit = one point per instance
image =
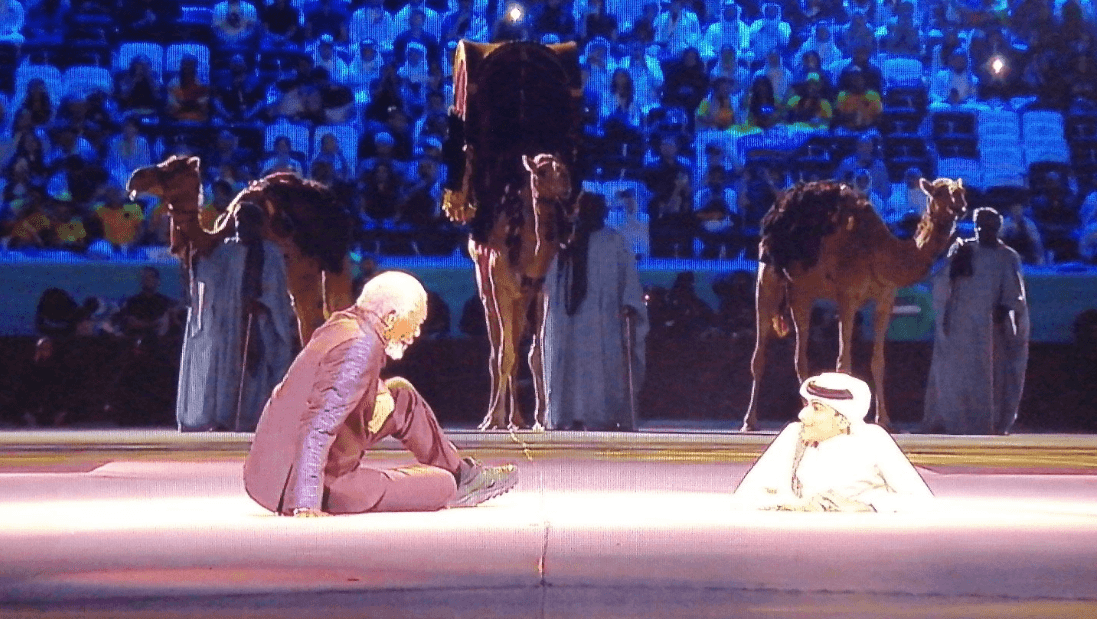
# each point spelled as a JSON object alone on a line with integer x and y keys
{"x": 137, "y": 524}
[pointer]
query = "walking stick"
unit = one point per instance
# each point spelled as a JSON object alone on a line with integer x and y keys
{"x": 630, "y": 372}
{"x": 243, "y": 372}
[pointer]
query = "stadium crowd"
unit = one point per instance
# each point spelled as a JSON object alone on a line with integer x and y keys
{"x": 697, "y": 112}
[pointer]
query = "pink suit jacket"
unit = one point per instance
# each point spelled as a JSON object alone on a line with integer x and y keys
{"x": 303, "y": 404}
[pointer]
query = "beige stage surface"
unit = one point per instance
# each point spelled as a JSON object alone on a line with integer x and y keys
{"x": 154, "y": 523}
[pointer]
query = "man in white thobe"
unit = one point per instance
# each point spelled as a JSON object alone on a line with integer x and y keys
{"x": 831, "y": 460}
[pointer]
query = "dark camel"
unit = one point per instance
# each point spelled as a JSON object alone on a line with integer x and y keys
{"x": 822, "y": 240}
{"x": 304, "y": 220}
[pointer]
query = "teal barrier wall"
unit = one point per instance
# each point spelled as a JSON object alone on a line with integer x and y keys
{"x": 1055, "y": 297}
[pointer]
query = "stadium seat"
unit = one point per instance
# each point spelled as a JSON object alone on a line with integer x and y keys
{"x": 953, "y": 124}
{"x": 79, "y": 81}
{"x": 902, "y": 73}
{"x": 1002, "y": 164}
{"x": 966, "y": 169}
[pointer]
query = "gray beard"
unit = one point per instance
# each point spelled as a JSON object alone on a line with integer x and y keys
{"x": 395, "y": 350}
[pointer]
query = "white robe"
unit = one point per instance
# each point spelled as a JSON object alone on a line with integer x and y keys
{"x": 209, "y": 370}
{"x": 584, "y": 355}
{"x": 864, "y": 466}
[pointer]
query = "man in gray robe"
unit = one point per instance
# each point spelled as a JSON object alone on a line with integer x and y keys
{"x": 240, "y": 319}
{"x": 980, "y": 349}
{"x": 595, "y": 327}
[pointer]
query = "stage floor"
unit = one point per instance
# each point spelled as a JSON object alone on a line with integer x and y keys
{"x": 134, "y": 524}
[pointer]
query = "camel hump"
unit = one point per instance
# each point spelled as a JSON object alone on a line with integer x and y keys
{"x": 793, "y": 230}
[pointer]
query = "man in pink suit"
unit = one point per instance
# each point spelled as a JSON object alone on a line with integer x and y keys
{"x": 306, "y": 458}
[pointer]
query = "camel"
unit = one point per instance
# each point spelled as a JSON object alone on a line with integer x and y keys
{"x": 512, "y": 155}
{"x": 511, "y": 265}
{"x": 822, "y": 240}
{"x": 304, "y": 220}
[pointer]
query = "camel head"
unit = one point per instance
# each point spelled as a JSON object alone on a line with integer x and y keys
{"x": 549, "y": 177}
{"x": 947, "y": 199}
{"x": 176, "y": 180}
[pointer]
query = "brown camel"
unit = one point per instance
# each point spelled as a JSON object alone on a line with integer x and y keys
{"x": 304, "y": 220}
{"x": 822, "y": 240}
{"x": 510, "y": 272}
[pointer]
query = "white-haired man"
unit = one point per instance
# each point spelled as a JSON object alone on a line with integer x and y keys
{"x": 306, "y": 458}
{"x": 831, "y": 460}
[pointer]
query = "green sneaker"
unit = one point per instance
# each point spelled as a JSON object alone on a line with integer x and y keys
{"x": 479, "y": 483}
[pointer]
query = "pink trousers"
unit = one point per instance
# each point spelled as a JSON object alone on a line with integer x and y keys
{"x": 428, "y": 486}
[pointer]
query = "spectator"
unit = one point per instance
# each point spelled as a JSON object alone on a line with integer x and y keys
{"x": 809, "y": 64}
{"x": 299, "y": 99}
{"x": 324, "y": 57}
{"x": 416, "y": 33}
{"x": 621, "y": 105}
{"x": 122, "y": 222}
{"x": 46, "y": 19}
{"x": 235, "y": 23}
{"x": 728, "y": 65}
{"x": 686, "y": 83}
{"x": 331, "y": 18}
{"x": 769, "y": 32}
{"x": 757, "y": 191}
{"x": 720, "y": 109}
{"x": 862, "y": 63}
{"x": 128, "y": 151}
{"x": 281, "y": 24}
{"x": 415, "y": 78}
{"x": 283, "y": 159}
{"x": 336, "y": 101}
{"x": 432, "y": 22}
{"x": 954, "y": 86}
{"x": 364, "y": 69}
{"x": 598, "y": 22}
{"x": 331, "y": 154}
{"x": 941, "y": 56}
{"x": 628, "y": 218}
{"x": 728, "y": 31}
{"x": 372, "y": 21}
{"x": 44, "y": 385}
{"x": 138, "y": 90}
{"x": 676, "y": 30}
{"x": 238, "y": 99}
{"x": 997, "y": 66}
{"x": 857, "y": 107}
{"x": 858, "y": 34}
{"x": 381, "y": 149}
{"x": 670, "y": 208}
{"x": 37, "y": 101}
{"x": 188, "y": 96}
{"x": 689, "y": 315}
{"x": 862, "y": 183}
{"x": 902, "y": 37}
{"x": 226, "y": 151}
{"x": 1055, "y": 209}
{"x": 420, "y": 212}
{"x": 716, "y": 211}
{"x": 464, "y": 22}
{"x": 866, "y": 157}
{"x": 28, "y": 148}
{"x": 808, "y": 105}
{"x": 763, "y": 109}
{"x": 905, "y": 207}
{"x": 642, "y": 29}
{"x": 1021, "y": 234}
{"x": 735, "y": 311}
{"x": 554, "y": 17}
{"x": 779, "y": 76}
{"x": 646, "y": 74}
{"x": 821, "y": 42}
{"x": 377, "y": 197}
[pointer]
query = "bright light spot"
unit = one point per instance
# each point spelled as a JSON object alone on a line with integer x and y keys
{"x": 997, "y": 65}
{"x": 515, "y": 13}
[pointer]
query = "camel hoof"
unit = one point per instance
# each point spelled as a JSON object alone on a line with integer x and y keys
{"x": 748, "y": 427}
{"x": 490, "y": 424}
{"x": 537, "y": 427}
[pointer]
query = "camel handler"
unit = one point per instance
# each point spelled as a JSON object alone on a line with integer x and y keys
{"x": 306, "y": 459}
{"x": 831, "y": 460}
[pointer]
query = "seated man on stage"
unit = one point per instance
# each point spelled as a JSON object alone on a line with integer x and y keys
{"x": 831, "y": 460}
{"x": 306, "y": 459}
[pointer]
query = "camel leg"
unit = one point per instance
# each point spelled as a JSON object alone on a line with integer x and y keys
{"x": 880, "y": 328}
{"x": 488, "y": 296}
{"x": 338, "y": 289}
{"x": 516, "y": 328}
{"x": 537, "y": 362}
{"x": 800, "y": 308}
{"x": 847, "y": 315}
{"x": 305, "y": 290}
{"x": 767, "y": 300}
